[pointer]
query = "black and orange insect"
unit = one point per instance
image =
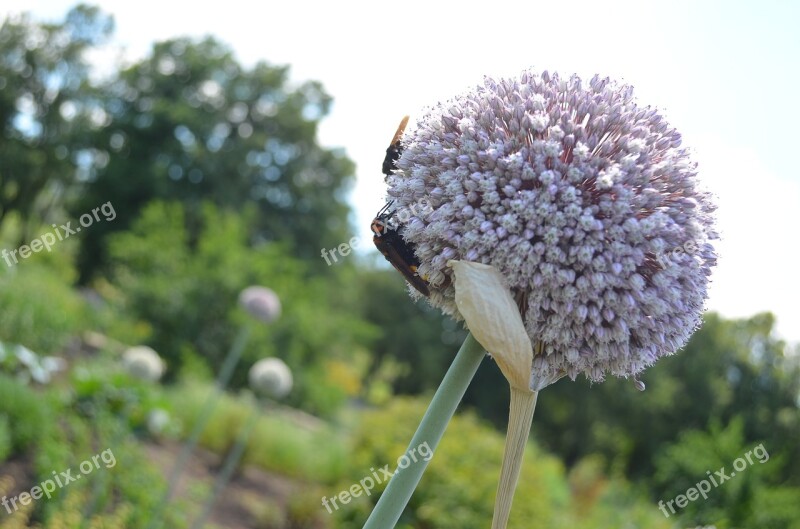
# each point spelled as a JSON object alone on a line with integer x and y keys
{"x": 388, "y": 238}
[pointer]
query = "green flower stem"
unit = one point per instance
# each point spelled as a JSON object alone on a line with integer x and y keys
{"x": 395, "y": 498}
{"x": 233, "y": 458}
{"x": 225, "y": 373}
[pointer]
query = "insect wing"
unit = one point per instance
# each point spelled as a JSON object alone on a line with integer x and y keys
{"x": 387, "y": 247}
{"x": 395, "y": 149}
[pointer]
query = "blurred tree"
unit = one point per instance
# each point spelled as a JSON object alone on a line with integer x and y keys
{"x": 729, "y": 369}
{"x": 188, "y": 123}
{"x": 416, "y": 336}
{"x": 187, "y": 291}
{"x": 747, "y": 498}
{"x": 44, "y": 114}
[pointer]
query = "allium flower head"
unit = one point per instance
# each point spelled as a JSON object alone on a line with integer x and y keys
{"x": 571, "y": 191}
{"x": 261, "y": 303}
{"x": 157, "y": 421}
{"x": 271, "y": 377}
{"x": 143, "y": 362}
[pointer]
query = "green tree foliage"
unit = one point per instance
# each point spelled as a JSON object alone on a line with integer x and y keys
{"x": 44, "y": 116}
{"x": 412, "y": 335}
{"x": 188, "y": 123}
{"x": 187, "y": 290}
{"x": 750, "y": 496}
{"x": 728, "y": 368}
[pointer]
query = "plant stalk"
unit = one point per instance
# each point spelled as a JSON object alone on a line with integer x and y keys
{"x": 228, "y": 467}
{"x": 520, "y": 416}
{"x": 395, "y": 498}
{"x": 225, "y": 373}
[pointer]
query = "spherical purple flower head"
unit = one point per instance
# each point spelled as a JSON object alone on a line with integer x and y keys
{"x": 261, "y": 303}
{"x": 572, "y": 192}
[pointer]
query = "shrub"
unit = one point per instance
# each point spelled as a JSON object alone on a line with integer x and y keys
{"x": 27, "y": 414}
{"x": 277, "y": 443}
{"x": 5, "y": 438}
{"x": 459, "y": 486}
{"x": 38, "y": 309}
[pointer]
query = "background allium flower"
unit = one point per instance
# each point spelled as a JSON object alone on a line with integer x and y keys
{"x": 143, "y": 362}
{"x": 157, "y": 421}
{"x": 271, "y": 377}
{"x": 261, "y": 303}
{"x": 571, "y": 191}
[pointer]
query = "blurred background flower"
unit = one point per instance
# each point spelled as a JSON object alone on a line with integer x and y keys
{"x": 261, "y": 303}
{"x": 271, "y": 377}
{"x": 158, "y": 420}
{"x": 143, "y": 362}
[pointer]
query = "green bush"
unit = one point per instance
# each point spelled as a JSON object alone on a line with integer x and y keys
{"x": 277, "y": 443}
{"x": 25, "y": 411}
{"x": 123, "y": 495}
{"x": 38, "y": 308}
{"x": 459, "y": 486}
{"x": 101, "y": 386}
{"x": 187, "y": 291}
{"x": 753, "y": 496}
{"x": 5, "y": 438}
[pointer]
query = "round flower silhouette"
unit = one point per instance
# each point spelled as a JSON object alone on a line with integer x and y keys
{"x": 143, "y": 362}
{"x": 573, "y": 192}
{"x": 261, "y": 303}
{"x": 271, "y": 377}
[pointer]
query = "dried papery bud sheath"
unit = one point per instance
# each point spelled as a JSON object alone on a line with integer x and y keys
{"x": 261, "y": 303}
{"x": 143, "y": 362}
{"x": 492, "y": 316}
{"x": 485, "y": 302}
{"x": 271, "y": 377}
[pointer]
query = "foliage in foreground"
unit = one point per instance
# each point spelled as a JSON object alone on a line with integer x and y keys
{"x": 309, "y": 450}
{"x": 458, "y": 488}
{"x": 48, "y": 431}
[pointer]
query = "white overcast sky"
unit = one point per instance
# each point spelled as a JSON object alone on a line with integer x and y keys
{"x": 726, "y": 74}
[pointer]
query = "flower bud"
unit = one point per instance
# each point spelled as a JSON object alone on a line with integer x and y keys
{"x": 261, "y": 303}
{"x": 144, "y": 363}
{"x": 271, "y": 377}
